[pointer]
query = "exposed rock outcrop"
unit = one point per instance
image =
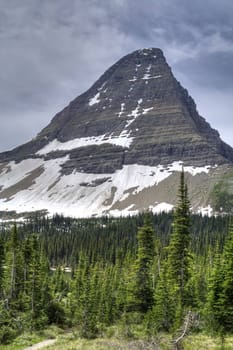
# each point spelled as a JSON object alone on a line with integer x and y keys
{"x": 136, "y": 113}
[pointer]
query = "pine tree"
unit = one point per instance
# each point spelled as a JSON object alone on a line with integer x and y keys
{"x": 14, "y": 249}
{"x": 227, "y": 286}
{"x": 89, "y": 313}
{"x": 220, "y": 306}
{"x": 179, "y": 257}
{"x": 214, "y": 311}
{"x": 14, "y": 271}
{"x": 143, "y": 287}
{"x": 35, "y": 281}
{"x": 2, "y": 261}
{"x": 163, "y": 311}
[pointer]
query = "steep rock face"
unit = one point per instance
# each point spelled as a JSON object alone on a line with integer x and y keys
{"x": 139, "y": 101}
{"x": 137, "y": 113}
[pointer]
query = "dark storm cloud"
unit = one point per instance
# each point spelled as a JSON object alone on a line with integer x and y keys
{"x": 51, "y": 51}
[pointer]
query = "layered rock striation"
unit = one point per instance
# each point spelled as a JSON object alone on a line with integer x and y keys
{"x": 142, "y": 110}
{"x": 136, "y": 113}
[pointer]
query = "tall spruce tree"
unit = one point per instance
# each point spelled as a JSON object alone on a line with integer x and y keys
{"x": 2, "y": 260}
{"x": 214, "y": 309}
{"x": 227, "y": 286}
{"x": 179, "y": 258}
{"x": 163, "y": 310}
{"x": 143, "y": 288}
{"x": 14, "y": 271}
{"x": 220, "y": 305}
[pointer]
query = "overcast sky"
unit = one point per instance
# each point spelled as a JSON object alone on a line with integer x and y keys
{"x": 53, "y": 50}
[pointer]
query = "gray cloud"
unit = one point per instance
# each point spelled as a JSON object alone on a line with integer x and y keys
{"x": 51, "y": 51}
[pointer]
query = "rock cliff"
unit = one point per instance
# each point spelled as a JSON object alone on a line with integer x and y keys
{"x": 136, "y": 115}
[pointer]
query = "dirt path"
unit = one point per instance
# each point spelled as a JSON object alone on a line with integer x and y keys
{"x": 41, "y": 344}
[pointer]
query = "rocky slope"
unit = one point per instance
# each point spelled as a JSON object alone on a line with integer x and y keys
{"x": 118, "y": 148}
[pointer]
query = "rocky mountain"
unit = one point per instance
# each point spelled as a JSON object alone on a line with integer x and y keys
{"x": 118, "y": 148}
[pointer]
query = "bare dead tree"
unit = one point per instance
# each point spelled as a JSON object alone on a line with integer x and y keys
{"x": 190, "y": 321}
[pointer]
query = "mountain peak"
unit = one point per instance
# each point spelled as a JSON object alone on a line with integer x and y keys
{"x": 139, "y": 105}
{"x": 149, "y": 52}
{"x": 135, "y": 116}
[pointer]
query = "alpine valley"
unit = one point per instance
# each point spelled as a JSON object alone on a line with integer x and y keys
{"x": 118, "y": 148}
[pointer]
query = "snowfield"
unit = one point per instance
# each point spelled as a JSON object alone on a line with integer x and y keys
{"x": 35, "y": 184}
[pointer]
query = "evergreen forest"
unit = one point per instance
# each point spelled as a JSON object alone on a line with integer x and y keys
{"x": 167, "y": 273}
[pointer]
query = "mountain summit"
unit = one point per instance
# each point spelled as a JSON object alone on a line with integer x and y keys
{"x": 117, "y": 148}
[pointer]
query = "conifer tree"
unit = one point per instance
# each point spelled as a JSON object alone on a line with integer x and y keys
{"x": 163, "y": 309}
{"x": 227, "y": 286}
{"x": 2, "y": 260}
{"x": 214, "y": 307}
{"x": 88, "y": 319}
{"x": 179, "y": 257}
{"x": 14, "y": 268}
{"x": 35, "y": 281}
{"x": 143, "y": 287}
{"x": 220, "y": 306}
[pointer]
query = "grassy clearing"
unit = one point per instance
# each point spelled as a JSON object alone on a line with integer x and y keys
{"x": 204, "y": 342}
{"x": 28, "y": 339}
{"x": 71, "y": 341}
{"x": 197, "y": 342}
{"x": 102, "y": 344}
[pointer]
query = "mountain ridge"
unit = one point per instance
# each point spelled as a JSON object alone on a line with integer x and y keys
{"x": 136, "y": 118}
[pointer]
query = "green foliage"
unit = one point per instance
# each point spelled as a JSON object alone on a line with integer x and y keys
{"x": 214, "y": 307}
{"x": 55, "y": 313}
{"x": 163, "y": 310}
{"x": 227, "y": 284}
{"x": 143, "y": 280}
{"x": 220, "y": 296}
{"x": 2, "y": 261}
{"x": 7, "y": 334}
{"x": 179, "y": 257}
{"x": 227, "y": 292}
{"x": 143, "y": 286}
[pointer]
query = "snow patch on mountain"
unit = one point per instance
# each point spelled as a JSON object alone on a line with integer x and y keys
{"x": 148, "y": 76}
{"x": 15, "y": 172}
{"x": 161, "y": 207}
{"x": 146, "y": 110}
{"x": 94, "y": 99}
{"x": 122, "y": 110}
{"x": 207, "y": 211}
{"x": 82, "y": 194}
{"x": 123, "y": 140}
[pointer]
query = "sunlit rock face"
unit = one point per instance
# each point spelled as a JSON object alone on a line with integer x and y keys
{"x": 118, "y": 148}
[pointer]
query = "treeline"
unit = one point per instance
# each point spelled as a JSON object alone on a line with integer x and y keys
{"x": 63, "y": 239}
{"x": 150, "y": 271}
